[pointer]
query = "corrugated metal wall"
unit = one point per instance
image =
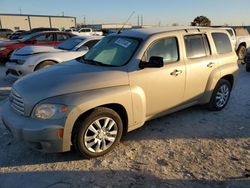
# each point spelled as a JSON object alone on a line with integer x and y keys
{"x": 27, "y": 22}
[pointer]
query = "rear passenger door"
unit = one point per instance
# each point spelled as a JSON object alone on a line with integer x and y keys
{"x": 200, "y": 62}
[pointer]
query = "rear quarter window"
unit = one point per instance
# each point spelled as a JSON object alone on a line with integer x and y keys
{"x": 222, "y": 43}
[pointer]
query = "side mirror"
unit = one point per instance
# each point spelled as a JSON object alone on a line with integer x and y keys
{"x": 154, "y": 62}
{"x": 83, "y": 48}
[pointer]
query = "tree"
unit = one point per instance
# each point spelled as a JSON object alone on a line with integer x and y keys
{"x": 202, "y": 21}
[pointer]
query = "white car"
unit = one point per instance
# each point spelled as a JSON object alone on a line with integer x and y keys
{"x": 32, "y": 58}
{"x": 240, "y": 39}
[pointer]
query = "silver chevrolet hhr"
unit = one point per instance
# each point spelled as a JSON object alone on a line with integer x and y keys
{"x": 124, "y": 81}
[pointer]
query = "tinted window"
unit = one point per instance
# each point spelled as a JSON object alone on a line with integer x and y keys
{"x": 45, "y": 38}
{"x": 222, "y": 43}
{"x": 197, "y": 46}
{"x": 166, "y": 48}
{"x": 91, "y": 43}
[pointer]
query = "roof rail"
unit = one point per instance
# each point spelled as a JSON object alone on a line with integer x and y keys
{"x": 198, "y": 29}
{"x": 186, "y": 30}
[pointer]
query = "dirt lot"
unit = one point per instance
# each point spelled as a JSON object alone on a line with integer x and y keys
{"x": 191, "y": 148}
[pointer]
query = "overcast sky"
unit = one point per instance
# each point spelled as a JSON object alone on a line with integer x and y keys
{"x": 167, "y": 12}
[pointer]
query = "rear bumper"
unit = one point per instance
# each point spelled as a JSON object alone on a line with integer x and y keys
{"x": 43, "y": 135}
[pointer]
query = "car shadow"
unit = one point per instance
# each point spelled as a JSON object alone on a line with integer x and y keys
{"x": 103, "y": 178}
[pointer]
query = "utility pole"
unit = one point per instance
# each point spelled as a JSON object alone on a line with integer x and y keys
{"x": 62, "y": 13}
{"x": 138, "y": 20}
{"x": 141, "y": 20}
{"x": 84, "y": 20}
{"x": 20, "y": 10}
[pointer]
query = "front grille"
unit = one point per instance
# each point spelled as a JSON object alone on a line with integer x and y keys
{"x": 16, "y": 102}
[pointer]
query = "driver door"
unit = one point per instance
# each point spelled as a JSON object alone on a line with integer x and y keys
{"x": 163, "y": 87}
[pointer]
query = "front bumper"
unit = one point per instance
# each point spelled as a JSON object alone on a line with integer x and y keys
{"x": 16, "y": 71}
{"x": 43, "y": 135}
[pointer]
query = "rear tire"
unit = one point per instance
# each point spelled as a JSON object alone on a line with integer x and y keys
{"x": 98, "y": 133}
{"x": 220, "y": 96}
{"x": 241, "y": 52}
{"x": 44, "y": 64}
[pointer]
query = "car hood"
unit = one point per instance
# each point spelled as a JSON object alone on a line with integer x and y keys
{"x": 66, "y": 78}
{"x": 29, "y": 50}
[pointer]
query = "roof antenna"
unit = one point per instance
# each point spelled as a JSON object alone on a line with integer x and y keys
{"x": 120, "y": 30}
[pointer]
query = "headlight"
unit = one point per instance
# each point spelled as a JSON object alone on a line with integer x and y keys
{"x": 50, "y": 111}
{"x": 2, "y": 48}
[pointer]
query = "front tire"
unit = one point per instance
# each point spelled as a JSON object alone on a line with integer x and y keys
{"x": 98, "y": 133}
{"x": 220, "y": 96}
{"x": 241, "y": 52}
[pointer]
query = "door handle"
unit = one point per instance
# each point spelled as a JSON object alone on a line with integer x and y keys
{"x": 210, "y": 65}
{"x": 176, "y": 72}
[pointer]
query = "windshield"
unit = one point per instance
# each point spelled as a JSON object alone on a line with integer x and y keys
{"x": 113, "y": 51}
{"x": 70, "y": 43}
{"x": 26, "y": 37}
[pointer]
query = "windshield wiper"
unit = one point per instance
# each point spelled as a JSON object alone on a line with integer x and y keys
{"x": 93, "y": 62}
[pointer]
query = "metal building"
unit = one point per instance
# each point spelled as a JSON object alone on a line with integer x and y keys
{"x": 27, "y": 22}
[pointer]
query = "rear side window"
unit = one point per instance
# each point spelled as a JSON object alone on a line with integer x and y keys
{"x": 62, "y": 37}
{"x": 166, "y": 48}
{"x": 197, "y": 46}
{"x": 222, "y": 43}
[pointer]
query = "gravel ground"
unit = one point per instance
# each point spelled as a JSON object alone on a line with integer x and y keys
{"x": 191, "y": 148}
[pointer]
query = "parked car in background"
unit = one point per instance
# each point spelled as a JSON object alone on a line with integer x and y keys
{"x": 5, "y": 33}
{"x": 247, "y": 60}
{"x": 90, "y": 32}
{"x": 73, "y": 31}
{"x": 124, "y": 81}
{"x": 241, "y": 40}
{"x": 17, "y": 34}
{"x": 48, "y": 38}
{"x": 32, "y": 58}
{"x": 21, "y": 33}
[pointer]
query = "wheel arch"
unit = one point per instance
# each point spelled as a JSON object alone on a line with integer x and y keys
{"x": 52, "y": 60}
{"x": 118, "y": 108}
{"x": 229, "y": 78}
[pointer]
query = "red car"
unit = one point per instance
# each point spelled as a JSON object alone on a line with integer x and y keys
{"x": 47, "y": 38}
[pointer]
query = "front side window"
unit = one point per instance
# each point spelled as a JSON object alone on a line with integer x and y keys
{"x": 45, "y": 38}
{"x": 166, "y": 48}
{"x": 196, "y": 46}
{"x": 113, "y": 51}
{"x": 222, "y": 43}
